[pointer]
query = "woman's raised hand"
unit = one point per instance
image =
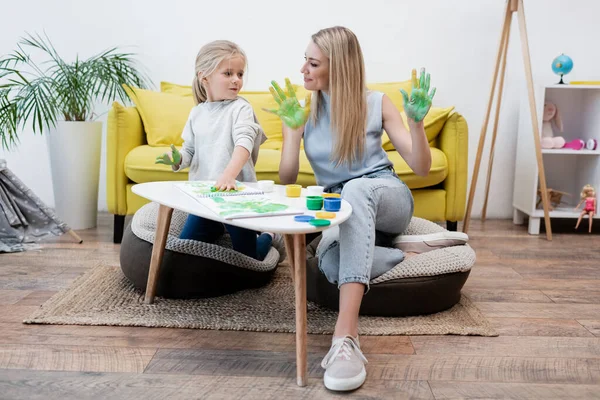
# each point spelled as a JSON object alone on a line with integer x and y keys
{"x": 418, "y": 104}
{"x": 290, "y": 111}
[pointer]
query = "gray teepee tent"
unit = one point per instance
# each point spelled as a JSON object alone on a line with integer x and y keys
{"x": 24, "y": 218}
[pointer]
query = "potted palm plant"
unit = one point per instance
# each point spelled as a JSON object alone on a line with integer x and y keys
{"x": 57, "y": 98}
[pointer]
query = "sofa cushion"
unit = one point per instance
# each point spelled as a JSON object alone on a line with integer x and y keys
{"x": 267, "y": 167}
{"x": 270, "y": 123}
{"x": 427, "y": 283}
{"x": 140, "y": 166}
{"x": 173, "y": 88}
{"x": 437, "y": 173}
{"x": 189, "y": 269}
{"x": 163, "y": 114}
{"x": 434, "y": 122}
{"x": 392, "y": 89}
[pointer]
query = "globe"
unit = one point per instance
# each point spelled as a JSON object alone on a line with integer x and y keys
{"x": 562, "y": 65}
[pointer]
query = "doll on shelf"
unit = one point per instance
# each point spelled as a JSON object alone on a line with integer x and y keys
{"x": 588, "y": 195}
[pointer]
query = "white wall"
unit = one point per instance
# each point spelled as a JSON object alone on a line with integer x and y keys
{"x": 456, "y": 40}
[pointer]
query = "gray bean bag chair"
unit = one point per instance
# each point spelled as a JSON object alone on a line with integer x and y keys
{"x": 428, "y": 283}
{"x": 190, "y": 269}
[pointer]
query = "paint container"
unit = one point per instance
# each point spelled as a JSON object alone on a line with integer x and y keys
{"x": 319, "y": 222}
{"x": 293, "y": 190}
{"x": 325, "y": 215}
{"x": 332, "y": 204}
{"x": 266, "y": 186}
{"x": 314, "y": 190}
{"x": 314, "y": 203}
{"x": 303, "y": 218}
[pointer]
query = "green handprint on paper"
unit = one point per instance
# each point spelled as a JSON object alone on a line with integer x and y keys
{"x": 417, "y": 105}
{"x": 290, "y": 111}
{"x": 166, "y": 159}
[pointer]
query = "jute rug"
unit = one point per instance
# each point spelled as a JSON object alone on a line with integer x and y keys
{"x": 104, "y": 296}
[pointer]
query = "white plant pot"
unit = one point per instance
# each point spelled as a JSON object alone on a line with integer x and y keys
{"x": 74, "y": 149}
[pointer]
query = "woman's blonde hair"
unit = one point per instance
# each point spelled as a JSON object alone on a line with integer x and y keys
{"x": 347, "y": 91}
{"x": 586, "y": 189}
{"x": 208, "y": 59}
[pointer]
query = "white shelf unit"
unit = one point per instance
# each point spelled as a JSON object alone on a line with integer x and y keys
{"x": 566, "y": 170}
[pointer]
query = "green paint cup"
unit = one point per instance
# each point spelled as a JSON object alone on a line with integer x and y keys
{"x": 314, "y": 202}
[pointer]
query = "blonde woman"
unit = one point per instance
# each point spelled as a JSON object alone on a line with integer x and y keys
{"x": 221, "y": 141}
{"x": 342, "y": 140}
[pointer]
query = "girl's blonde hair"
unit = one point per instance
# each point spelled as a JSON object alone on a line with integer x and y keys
{"x": 208, "y": 59}
{"x": 347, "y": 91}
{"x": 586, "y": 189}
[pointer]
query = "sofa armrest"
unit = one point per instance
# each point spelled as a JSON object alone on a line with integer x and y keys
{"x": 453, "y": 140}
{"x": 124, "y": 132}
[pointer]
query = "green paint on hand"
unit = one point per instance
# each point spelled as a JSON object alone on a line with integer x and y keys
{"x": 418, "y": 104}
{"x": 165, "y": 159}
{"x": 207, "y": 188}
{"x": 290, "y": 111}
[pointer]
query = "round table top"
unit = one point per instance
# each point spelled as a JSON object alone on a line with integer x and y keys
{"x": 167, "y": 194}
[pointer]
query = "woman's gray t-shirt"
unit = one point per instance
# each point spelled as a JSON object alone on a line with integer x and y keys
{"x": 319, "y": 145}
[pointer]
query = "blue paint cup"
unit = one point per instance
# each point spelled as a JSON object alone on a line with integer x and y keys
{"x": 332, "y": 204}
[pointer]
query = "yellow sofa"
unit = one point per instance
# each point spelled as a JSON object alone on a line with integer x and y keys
{"x": 136, "y": 135}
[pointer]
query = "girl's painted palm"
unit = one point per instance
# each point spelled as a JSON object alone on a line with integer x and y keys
{"x": 290, "y": 111}
{"x": 418, "y": 104}
{"x": 166, "y": 157}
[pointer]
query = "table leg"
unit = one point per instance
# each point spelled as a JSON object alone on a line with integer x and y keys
{"x": 158, "y": 249}
{"x": 289, "y": 248}
{"x": 300, "y": 294}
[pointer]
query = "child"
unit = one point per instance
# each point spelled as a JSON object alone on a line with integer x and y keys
{"x": 221, "y": 141}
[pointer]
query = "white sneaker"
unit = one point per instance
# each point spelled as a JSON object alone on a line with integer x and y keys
{"x": 431, "y": 241}
{"x": 344, "y": 365}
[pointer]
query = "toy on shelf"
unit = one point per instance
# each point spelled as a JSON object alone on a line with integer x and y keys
{"x": 554, "y": 197}
{"x": 575, "y": 144}
{"x": 562, "y": 65}
{"x": 549, "y": 141}
{"x": 591, "y": 144}
{"x": 580, "y": 144}
{"x": 588, "y": 195}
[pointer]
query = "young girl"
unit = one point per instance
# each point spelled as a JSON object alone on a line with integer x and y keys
{"x": 588, "y": 195}
{"x": 221, "y": 141}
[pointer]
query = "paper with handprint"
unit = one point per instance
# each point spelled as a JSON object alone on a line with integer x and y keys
{"x": 245, "y": 202}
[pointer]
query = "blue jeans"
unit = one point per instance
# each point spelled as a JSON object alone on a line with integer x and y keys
{"x": 360, "y": 250}
{"x": 243, "y": 240}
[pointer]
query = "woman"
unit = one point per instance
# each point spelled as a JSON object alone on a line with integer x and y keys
{"x": 342, "y": 141}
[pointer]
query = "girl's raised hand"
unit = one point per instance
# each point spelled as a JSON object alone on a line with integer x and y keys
{"x": 172, "y": 157}
{"x": 418, "y": 104}
{"x": 290, "y": 111}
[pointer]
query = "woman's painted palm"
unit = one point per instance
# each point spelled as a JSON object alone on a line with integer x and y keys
{"x": 290, "y": 111}
{"x": 418, "y": 104}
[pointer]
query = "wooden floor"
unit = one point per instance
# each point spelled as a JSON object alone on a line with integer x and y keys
{"x": 542, "y": 297}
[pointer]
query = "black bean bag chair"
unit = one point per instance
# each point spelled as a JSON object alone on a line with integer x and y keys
{"x": 428, "y": 283}
{"x": 190, "y": 269}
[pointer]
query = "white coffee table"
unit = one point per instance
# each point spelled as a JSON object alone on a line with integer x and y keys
{"x": 170, "y": 198}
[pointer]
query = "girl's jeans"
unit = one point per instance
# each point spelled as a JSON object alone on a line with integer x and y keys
{"x": 243, "y": 240}
{"x": 382, "y": 207}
